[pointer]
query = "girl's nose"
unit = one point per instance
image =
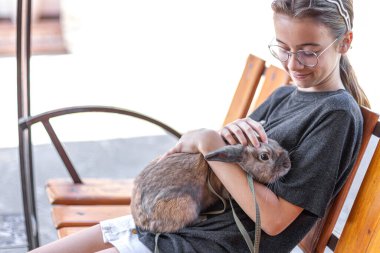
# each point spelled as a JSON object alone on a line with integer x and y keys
{"x": 294, "y": 63}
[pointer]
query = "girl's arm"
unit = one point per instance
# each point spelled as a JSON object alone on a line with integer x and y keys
{"x": 276, "y": 213}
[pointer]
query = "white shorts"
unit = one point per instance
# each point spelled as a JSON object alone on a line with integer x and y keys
{"x": 121, "y": 233}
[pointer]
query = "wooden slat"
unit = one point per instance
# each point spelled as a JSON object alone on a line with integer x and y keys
{"x": 246, "y": 89}
{"x": 316, "y": 240}
{"x": 274, "y": 78}
{"x": 92, "y": 192}
{"x": 374, "y": 244}
{"x": 85, "y": 215}
{"x": 376, "y": 132}
{"x": 63, "y": 232}
{"x": 361, "y": 232}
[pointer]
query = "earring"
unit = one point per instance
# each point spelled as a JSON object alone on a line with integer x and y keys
{"x": 344, "y": 46}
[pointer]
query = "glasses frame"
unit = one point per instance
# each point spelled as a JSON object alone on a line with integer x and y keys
{"x": 289, "y": 53}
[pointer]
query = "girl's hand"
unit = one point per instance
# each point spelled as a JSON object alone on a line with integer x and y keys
{"x": 244, "y": 131}
{"x": 196, "y": 141}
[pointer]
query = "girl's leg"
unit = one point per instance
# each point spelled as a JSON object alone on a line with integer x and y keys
{"x": 87, "y": 240}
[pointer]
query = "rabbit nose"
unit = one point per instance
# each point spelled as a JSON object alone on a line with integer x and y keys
{"x": 286, "y": 164}
{"x": 285, "y": 161}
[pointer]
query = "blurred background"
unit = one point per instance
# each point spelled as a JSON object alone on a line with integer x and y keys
{"x": 176, "y": 61}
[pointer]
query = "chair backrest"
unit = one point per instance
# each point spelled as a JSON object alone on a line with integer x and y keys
{"x": 27, "y": 122}
{"x": 256, "y": 84}
{"x": 362, "y": 230}
{"x": 246, "y": 89}
{"x": 274, "y": 78}
{"x": 322, "y": 233}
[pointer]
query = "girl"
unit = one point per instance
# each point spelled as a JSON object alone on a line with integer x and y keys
{"x": 318, "y": 120}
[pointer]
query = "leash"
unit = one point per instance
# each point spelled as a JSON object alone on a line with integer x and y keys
{"x": 253, "y": 247}
{"x": 216, "y": 194}
{"x": 156, "y": 250}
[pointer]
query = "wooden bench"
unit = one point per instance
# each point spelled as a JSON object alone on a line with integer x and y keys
{"x": 81, "y": 203}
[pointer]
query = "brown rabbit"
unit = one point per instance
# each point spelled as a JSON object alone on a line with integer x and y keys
{"x": 170, "y": 194}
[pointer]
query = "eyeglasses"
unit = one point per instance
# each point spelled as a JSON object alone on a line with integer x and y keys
{"x": 305, "y": 57}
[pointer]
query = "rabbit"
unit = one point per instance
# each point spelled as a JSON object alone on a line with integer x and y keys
{"x": 170, "y": 194}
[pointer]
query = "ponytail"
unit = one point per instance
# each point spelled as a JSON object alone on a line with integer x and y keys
{"x": 350, "y": 82}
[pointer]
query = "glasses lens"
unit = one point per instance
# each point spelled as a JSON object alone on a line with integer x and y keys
{"x": 278, "y": 52}
{"x": 307, "y": 58}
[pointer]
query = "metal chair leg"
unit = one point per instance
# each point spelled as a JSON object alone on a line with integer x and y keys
{"x": 23, "y": 103}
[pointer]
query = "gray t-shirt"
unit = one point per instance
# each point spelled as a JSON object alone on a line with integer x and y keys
{"x": 322, "y": 131}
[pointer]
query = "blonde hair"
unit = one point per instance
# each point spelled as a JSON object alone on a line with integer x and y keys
{"x": 337, "y": 15}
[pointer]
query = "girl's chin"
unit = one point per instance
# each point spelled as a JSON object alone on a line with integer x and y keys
{"x": 301, "y": 85}
{"x": 304, "y": 82}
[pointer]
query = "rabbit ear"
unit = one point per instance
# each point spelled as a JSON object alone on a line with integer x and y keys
{"x": 230, "y": 153}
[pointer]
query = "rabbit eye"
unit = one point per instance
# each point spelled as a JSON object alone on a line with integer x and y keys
{"x": 264, "y": 157}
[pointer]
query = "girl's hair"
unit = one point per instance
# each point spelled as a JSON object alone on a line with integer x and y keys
{"x": 337, "y": 15}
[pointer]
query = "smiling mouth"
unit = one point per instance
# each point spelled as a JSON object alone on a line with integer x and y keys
{"x": 300, "y": 76}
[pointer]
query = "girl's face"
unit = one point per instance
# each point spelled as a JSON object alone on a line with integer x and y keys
{"x": 295, "y": 34}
